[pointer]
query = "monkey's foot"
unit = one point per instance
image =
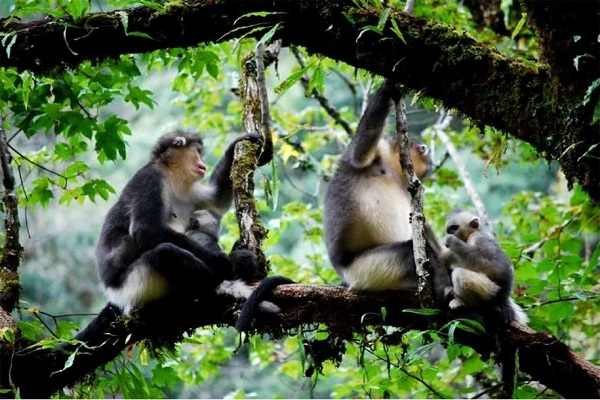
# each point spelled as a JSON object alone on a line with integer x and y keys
{"x": 268, "y": 307}
{"x": 455, "y": 303}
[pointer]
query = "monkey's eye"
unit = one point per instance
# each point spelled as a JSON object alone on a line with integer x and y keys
{"x": 194, "y": 224}
{"x": 423, "y": 149}
{"x": 452, "y": 229}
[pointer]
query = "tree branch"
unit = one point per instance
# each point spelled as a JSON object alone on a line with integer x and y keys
{"x": 439, "y": 130}
{"x": 323, "y": 101}
{"x": 542, "y": 356}
{"x": 511, "y": 95}
{"x": 12, "y": 251}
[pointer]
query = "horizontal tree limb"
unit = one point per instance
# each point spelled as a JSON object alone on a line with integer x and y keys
{"x": 484, "y": 84}
{"x": 542, "y": 356}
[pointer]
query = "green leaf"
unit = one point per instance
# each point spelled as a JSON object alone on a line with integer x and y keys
{"x": 140, "y": 34}
{"x": 269, "y": 35}
{"x": 588, "y": 93}
{"x": 422, "y": 311}
{"x": 383, "y": 18}
{"x": 519, "y": 25}
{"x": 257, "y": 14}
{"x": 397, "y": 31}
{"x": 369, "y": 28}
{"x": 596, "y": 116}
{"x": 77, "y": 8}
{"x": 317, "y": 80}
{"x": 124, "y": 17}
{"x": 291, "y": 80}
{"x": 30, "y": 330}
{"x": 13, "y": 38}
{"x": 7, "y": 334}
{"x": 68, "y": 362}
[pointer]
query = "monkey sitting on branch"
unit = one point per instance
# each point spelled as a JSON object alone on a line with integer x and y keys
{"x": 482, "y": 274}
{"x": 367, "y": 209}
{"x": 140, "y": 257}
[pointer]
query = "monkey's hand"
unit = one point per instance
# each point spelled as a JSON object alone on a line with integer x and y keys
{"x": 266, "y": 146}
{"x": 251, "y": 137}
{"x": 390, "y": 89}
{"x": 448, "y": 257}
{"x": 244, "y": 264}
{"x": 452, "y": 242}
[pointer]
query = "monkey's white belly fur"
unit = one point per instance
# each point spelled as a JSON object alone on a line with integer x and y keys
{"x": 382, "y": 218}
{"x": 383, "y": 214}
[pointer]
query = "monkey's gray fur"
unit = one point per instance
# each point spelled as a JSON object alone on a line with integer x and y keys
{"x": 483, "y": 273}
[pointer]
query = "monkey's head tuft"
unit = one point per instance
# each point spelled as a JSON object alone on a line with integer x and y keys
{"x": 176, "y": 139}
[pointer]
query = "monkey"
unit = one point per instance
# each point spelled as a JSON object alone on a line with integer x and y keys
{"x": 367, "y": 209}
{"x": 483, "y": 274}
{"x": 140, "y": 257}
{"x": 204, "y": 227}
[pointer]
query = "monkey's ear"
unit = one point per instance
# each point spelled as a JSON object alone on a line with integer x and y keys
{"x": 179, "y": 141}
{"x": 474, "y": 223}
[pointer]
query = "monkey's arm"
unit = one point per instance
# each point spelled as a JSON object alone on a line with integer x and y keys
{"x": 363, "y": 148}
{"x": 480, "y": 257}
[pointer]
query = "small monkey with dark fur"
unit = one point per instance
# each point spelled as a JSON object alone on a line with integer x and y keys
{"x": 483, "y": 274}
{"x": 367, "y": 209}
{"x": 140, "y": 257}
{"x": 204, "y": 227}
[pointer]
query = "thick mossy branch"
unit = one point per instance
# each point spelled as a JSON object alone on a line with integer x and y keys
{"x": 540, "y": 105}
{"x": 542, "y": 356}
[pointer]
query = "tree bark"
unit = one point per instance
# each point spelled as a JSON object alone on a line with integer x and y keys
{"x": 40, "y": 373}
{"x": 537, "y": 103}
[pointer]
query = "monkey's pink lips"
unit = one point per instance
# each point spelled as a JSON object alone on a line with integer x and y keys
{"x": 201, "y": 170}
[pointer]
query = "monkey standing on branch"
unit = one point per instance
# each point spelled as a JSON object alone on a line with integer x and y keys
{"x": 483, "y": 274}
{"x": 367, "y": 209}
{"x": 140, "y": 257}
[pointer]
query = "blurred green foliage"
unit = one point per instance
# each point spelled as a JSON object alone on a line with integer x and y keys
{"x": 78, "y": 135}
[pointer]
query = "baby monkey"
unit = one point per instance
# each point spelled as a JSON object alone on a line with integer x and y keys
{"x": 204, "y": 227}
{"x": 482, "y": 273}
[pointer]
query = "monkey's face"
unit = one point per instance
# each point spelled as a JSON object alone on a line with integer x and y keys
{"x": 462, "y": 225}
{"x": 419, "y": 155}
{"x": 188, "y": 162}
{"x": 421, "y": 158}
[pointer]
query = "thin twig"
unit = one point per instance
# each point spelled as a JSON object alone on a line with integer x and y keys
{"x": 66, "y": 178}
{"x": 323, "y": 101}
{"x": 439, "y": 129}
{"x": 415, "y": 188}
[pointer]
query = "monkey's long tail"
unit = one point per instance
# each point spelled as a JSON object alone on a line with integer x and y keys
{"x": 251, "y": 305}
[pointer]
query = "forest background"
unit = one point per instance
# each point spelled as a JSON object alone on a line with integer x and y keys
{"x": 80, "y": 133}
